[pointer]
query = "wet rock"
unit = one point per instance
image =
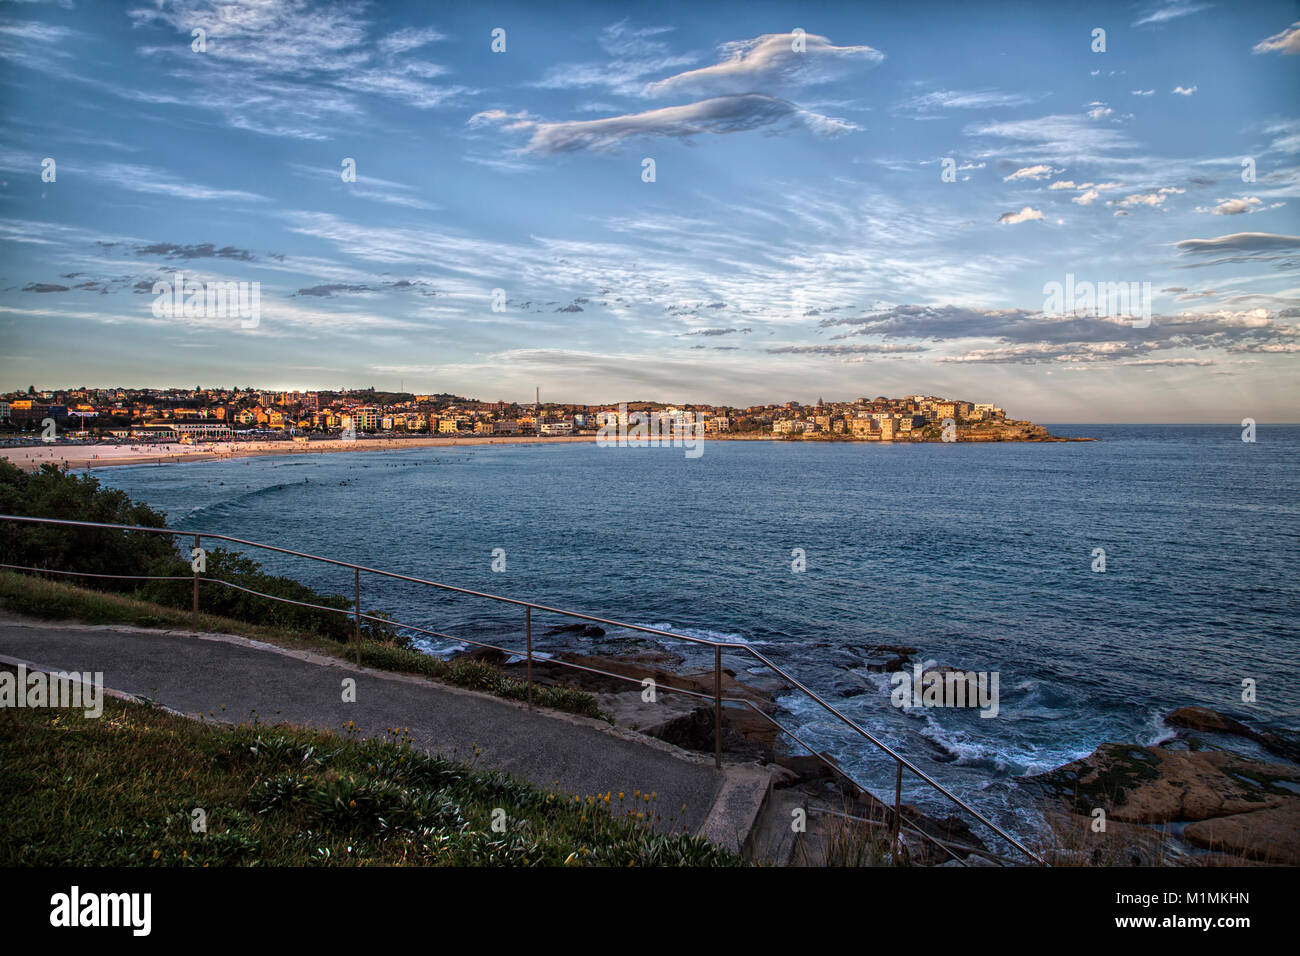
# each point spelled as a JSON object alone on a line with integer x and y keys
{"x": 806, "y": 767}
{"x": 1211, "y": 721}
{"x": 485, "y": 655}
{"x": 578, "y": 628}
{"x": 1270, "y": 836}
{"x": 1233, "y": 804}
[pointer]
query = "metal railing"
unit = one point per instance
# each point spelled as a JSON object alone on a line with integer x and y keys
{"x": 895, "y": 814}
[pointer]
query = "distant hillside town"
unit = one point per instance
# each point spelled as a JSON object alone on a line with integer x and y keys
{"x": 208, "y": 414}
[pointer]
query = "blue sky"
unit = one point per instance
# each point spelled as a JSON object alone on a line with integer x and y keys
{"x": 799, "y": 238}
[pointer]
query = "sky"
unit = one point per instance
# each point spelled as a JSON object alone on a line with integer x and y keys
{"x": 686, "y": 202}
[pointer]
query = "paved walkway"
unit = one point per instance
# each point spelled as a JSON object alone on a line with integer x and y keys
{"x": 579, "y": 755}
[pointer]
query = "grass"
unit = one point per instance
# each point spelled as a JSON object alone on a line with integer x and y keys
{"x": 844, "y": 841}
{"x": 60, "y": 601}
{"x": 123, "y": 790}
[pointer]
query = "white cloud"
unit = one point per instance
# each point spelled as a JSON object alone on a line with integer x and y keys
{"x": 770, "y": 60}
{"x": 720, "y": 114}
{"x": 1237, "y": 206}
{"x": 1288, "y": 41}
{"x": 1184, "y": 90}
{"x": 1151, "y": 199}
{"x": 1029, "y": 172}
{"x": 149, "y": 179}
{"x": 1028, "y": 214}
{"x": 410, "y": 38}
{"x": 1164, "y": 12}
{"x": 966, "y": 99}
{"x": 1063, "y": 140}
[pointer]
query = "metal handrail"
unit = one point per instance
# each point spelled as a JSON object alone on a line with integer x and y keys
{"x": 530, "y": 606}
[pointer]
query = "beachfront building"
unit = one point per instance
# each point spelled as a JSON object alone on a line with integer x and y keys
{"x": 179, "y": 431}
{"x": 365, "y": 418}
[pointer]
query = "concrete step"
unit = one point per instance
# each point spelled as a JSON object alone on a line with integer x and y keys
{"x": 775, "y": 837}
{"x": 737, "y": 805}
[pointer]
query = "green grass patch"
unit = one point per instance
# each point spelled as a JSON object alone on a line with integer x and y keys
{"x": 122, "y": 790}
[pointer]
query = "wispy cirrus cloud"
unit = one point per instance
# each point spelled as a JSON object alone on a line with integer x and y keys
{"x": 1062, "y": 140}
{"x": 1169, "y": 10}
{"x": 369, "y": 187}
{"x": 290, "y": 68}
{"x": 637, "y": 53}
{"x": 940, "y": 100}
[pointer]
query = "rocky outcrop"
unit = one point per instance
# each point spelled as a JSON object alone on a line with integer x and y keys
{"x": 1204, "y": 719}
{"x": 580, "y": 629}
{"x": 1271, "y": 835}
{"x": 887, "y": 658}
{"x": 1243, "y": 809}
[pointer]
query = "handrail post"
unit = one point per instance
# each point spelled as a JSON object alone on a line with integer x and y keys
{"x": 717, "y": 706}
{"x": 898, "y": 813}
{"x": 357, "y": 581}
{"x": 194, "y": 565}
{"x": 528, "y": 631}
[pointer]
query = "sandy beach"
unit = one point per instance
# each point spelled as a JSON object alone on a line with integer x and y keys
{"x": 76, "y": 456}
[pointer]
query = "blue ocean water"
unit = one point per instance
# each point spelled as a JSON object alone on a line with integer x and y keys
{"x": 979, "y": 555}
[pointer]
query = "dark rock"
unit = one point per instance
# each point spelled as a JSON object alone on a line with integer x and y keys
{"x": 807, "y": 766}
{"x": 1211, "y": 721}
{"x": 486, "y": 655}
{"x": 1244, "y": 807}
{"x": 898, "y": 649}
{"x": 579, "y": 628}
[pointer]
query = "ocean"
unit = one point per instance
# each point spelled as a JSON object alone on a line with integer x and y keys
{"x": 981, "y": 556}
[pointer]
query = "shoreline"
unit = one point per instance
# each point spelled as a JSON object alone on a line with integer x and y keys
{"x": 77, "y": 457}
{"x": 30, "y": 458}
{"x": 1213, "y": 791}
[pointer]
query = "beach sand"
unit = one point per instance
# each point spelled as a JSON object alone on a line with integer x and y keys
{"x": 73, "y": 456}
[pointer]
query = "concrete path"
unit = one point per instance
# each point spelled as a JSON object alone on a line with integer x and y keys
{"x": 235, "y": 679}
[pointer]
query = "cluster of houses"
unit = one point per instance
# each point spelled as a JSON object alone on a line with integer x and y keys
{"x": 208, "y": 413}
{"x": 880, "y": 419}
